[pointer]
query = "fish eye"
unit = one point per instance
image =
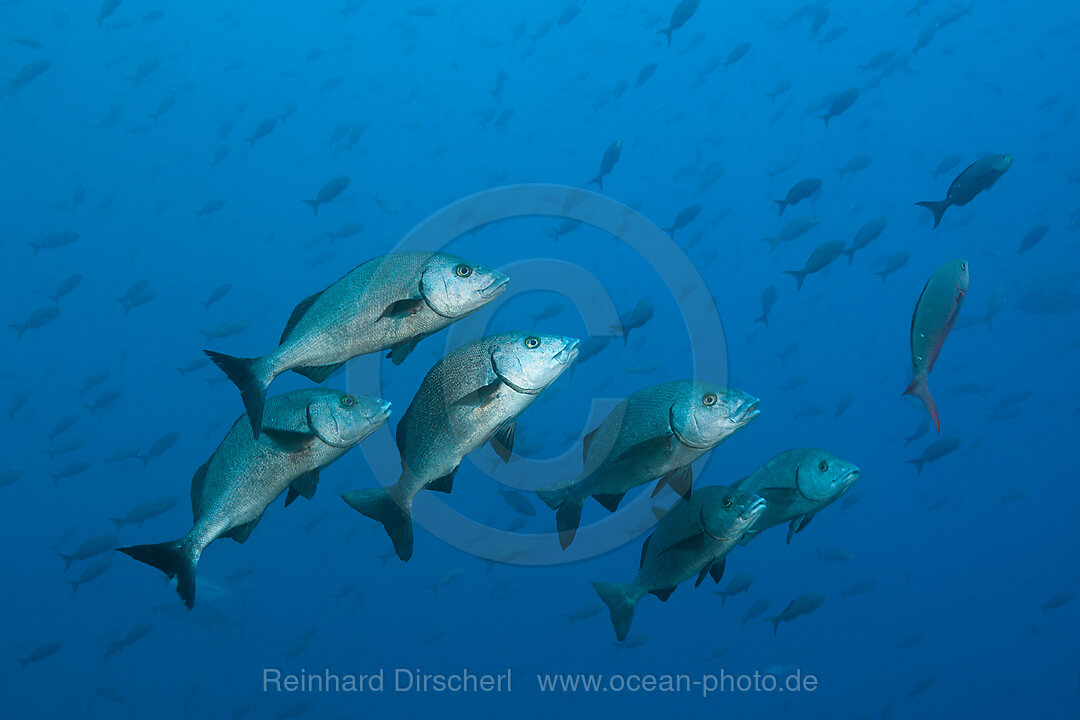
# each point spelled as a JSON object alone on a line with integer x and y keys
{"x": 463, "y": 270}
{"x": 709, "y": 400}
{"x": 532, "y": 342}
{"x": 727, "y": 502}
{"x": 348, "y": 400}
{"x": 823, "y": 466}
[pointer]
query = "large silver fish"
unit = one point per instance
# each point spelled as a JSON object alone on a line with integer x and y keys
{"x": 657, "y": 432}
{"x": 693, "y": 538}
{"x": 935, "y": 314}
{"x": 471, "y": 396}
{"x": 305, "y": 431}
{"x": 797, "y": 484}
{"x": 389, "y": 303}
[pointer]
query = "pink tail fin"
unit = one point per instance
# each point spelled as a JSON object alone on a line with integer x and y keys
{"x": 921, "y": 390}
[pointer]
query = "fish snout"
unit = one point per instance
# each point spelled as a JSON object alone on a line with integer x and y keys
{"x": 849, "y": 478}
{"x": 747, "y": 411}
{"x": 754, "y": 509}
{"x": 497, "y": 286}
{"x": 569, "y": 352}
{"x": 381, "y": 412}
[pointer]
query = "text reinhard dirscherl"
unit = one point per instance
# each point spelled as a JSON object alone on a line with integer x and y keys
{"x": 414, "y": 680}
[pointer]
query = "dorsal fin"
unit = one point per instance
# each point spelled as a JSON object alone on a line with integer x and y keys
{"x": 644, "y": 549}
{"x": 197, "y": 487}
{"x": 298, "y": 312}
{"x": 587, "y": 443}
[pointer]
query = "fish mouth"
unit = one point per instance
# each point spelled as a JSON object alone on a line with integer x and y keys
{"x": 382, "y": 412}
{"x": 849, "y": 478}
{"x": 746, "y": 412}
{"x": 756, "y": 508}
{"x": 496, "y": 287}
{"x": 569, "y": 353}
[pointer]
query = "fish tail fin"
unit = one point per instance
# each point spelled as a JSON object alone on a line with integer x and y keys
{"x": 782, "y": 204}
{"x": 918, "y": 463}
{"x": 825, "y": 118}
{"x": 921, "y": 390}
{"x": 251, "y": 143}
{"x": 989, "y": 320}
{"x": 74, "y": 585}
{"x": 773, "y": 242}
{"x": 599, "y": 180}
{"x": 723, "y": 599}
{"x": 620, "y": 604}
{"x": 68, "y": 559}
{"x": 884, "y": 274}
{"x": 799, "y": 276}
{"x": 145, "y": 461}
{"x": 118, "y": 522}
{"x": 567, "y": 519}
{"x": 177, "y": 558}
{"x": 666, "y": 32}
{"x": 248, "y": 376}
{"x": 938, "y": 207}
{"x": 775, "y": 620}
{"x": 764, "y": 320}
{"x": 314, "y": 205}
{"x": 204, "y": 304}
{"x": 397, "y": 520}
{"x": 37, "y": 248}
{"x": 19, "y": 330}
{"x": 850, "y": 252}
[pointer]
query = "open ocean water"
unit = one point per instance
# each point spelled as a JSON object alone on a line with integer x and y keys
{"x": 722, "y": 194}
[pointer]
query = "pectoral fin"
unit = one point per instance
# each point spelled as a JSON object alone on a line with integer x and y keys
{"x": 502, "y": 442}
{"x": 717, "y": 570}
{"x": 680, "y": 480}
{"x": 399, "y": 352}
{"x": 479, "y": 396}
{"x": 303, "y": 486}
{"x": 288, "y": 440}
{"x": 644, "y": 549}
{"x": 797, "y": 525}
{"x": 777, "y": 497}
{"x": 694, "y": 542}
{"x": 402, "y": 309}
{"x": 647, "y": 450}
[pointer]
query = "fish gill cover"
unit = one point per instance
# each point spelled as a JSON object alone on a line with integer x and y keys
{"x": 512, "y": 254}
